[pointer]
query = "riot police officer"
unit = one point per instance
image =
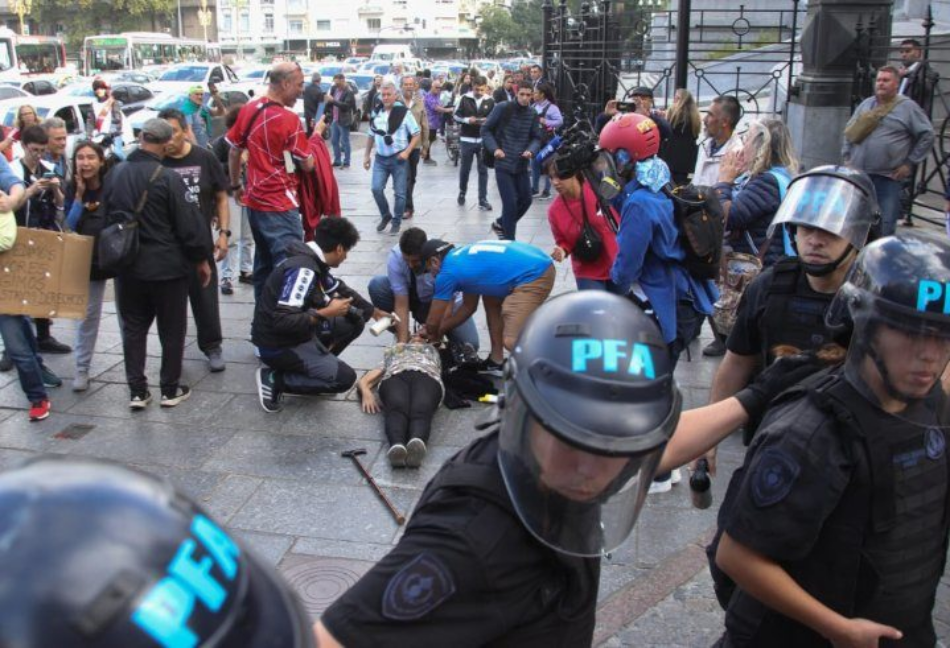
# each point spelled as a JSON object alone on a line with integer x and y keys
{"x": 96, "y": 555}
{"x": 838, "y": 520}
{"x": 829, "y": 211}
{"x": 505, "y": 543}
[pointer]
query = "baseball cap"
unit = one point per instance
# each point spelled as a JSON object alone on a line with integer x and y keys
{"x": 156, "y": 131}
{"x": 642, "y": 91}
{"x": 196, "y": 88}
{"x": 434, "y": 247}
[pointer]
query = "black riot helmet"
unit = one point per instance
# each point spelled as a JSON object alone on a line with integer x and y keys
{"x": 896, "y": 295}
{"x": 589, "y": 404}
{"x": 835, "y": 199}
{"x": 100, "y": 556}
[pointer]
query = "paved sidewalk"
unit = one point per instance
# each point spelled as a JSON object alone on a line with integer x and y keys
{"x": 278, "y": 481}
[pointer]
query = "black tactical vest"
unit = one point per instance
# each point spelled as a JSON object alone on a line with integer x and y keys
{"x": 794, "y": 314}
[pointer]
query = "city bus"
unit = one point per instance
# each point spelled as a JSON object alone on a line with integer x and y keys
{"x": 31, "y": 54}
{"x": 135, "y": 50}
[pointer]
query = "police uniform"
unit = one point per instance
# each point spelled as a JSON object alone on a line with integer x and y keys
{"x": 853, "y": 503}
{"x": 468, "y": 573}
{"x": 780, "y": 307}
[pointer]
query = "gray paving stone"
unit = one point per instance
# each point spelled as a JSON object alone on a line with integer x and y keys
{"x": 10, "y": 459}
{"x": 62, "y": 398}
{"x": 269, "y": 547}
{"x": 113, "y": 401}
{"x": 320, "y": 581}
{"x": 341, "y": 549}
{"x": 339, "y": 419}
{"x": 229, "y": 494}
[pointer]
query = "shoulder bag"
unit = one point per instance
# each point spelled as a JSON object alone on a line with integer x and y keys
{"x": 589, "y": 245}
{"x": 118, "y": 243}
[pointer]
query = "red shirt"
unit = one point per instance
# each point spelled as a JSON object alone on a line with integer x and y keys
{"x": 277, "y": 129}
{"x": 567, "y": 219}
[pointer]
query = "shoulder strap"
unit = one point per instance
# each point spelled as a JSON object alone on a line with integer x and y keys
{"x": 396, "y": 117}
{"x": 783, "y": 178}
{"x": 785, "y": 276}
{"x": 141, "y": 203}
{"x": 264, "y": 105}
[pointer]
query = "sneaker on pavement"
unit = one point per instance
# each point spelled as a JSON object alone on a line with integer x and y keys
{"x": 52, "y": 345}
{"x": 497, "y": 229}
{"x": 246, "y": 278}
{"x": 715, "y": 349}
{"x": 664, "y": 486}
{"x": 415, "y": 453}
{"x": 140, "y": 400}
{"x": 430, "y": 162}
{"x": 395, "y": 228}
{"x": 6, "y": 362}
{"x": 345, "y": 167}
{"x": 267, "y": 390}
{"x": 491, "y": 368}
{"x": 535, "y": 193}
{"x": 81, "y": 381}
{"x": 39, "y": 410}
{"x": 337, "y": 164}
{"x": 49, "y": 378}
{"x": 180, "y": 394}
{"x": 484, "y": 205}
{"x": 397, "y": 455}
{"x": 545, "y": 195}
{"x": 409, "y": 213}
{"x": 675, "y": 477}
{"x": 383, "y": 222}
{"x": 226, "y": 287}
{"x": 461, "y": 198}
{"x": 215, "y": 360}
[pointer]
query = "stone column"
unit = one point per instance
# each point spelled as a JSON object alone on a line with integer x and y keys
{"x": 820, "y": 102}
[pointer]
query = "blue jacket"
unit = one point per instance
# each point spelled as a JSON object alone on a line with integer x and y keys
{"x": 522, "y": 133}
{"x": 753, "y": 206}
{"x": 649, "y": 253}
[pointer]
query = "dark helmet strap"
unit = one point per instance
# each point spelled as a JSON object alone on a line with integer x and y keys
{"x": 889, "y": 387}
{"x": 825, "y": 269}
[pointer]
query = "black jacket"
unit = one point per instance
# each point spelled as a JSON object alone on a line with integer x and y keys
{"x": 173, "y": 235}
{"x": 500, "y": 96}
{"x": 346, "y": 105}
{"x": 302, "y": 283}
{"x": 467, "y": 108}
{"x": 520, "y": 132}
{"x": 312, "y": 98}
{"x": 920, "y": 86}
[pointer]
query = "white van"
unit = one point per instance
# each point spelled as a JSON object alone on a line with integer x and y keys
{"x": 392, "y": 53}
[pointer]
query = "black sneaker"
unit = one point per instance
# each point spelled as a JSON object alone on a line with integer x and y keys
{"x": 52, "y": 345}
{"x": 49, "y": 378}
{"x": 498, "y": 230}
{"x": 461, "y": 198}
{"x": 337, "y": 164}
{"x": 345, "y": 167}
{"x": 484, "y": 205}
{"x": 395, "y": 228}
{"x": 267, "y": 390}
{"x": 226, "y": 287}
{"x": 180, "y": 394}
{"x": 246, "y": 278}
{"x": 715, "y": 349}
{"x": 545, "y": 195}
{"x": 140, "y": 400}
{"x": 491, "y": 368}
{"x": 535, "y": 193}
{"x": 383, "y": 222}
{"x": 6, "y": 362}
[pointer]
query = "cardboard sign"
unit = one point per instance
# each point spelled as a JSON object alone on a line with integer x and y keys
{"x": 46, "y": 274}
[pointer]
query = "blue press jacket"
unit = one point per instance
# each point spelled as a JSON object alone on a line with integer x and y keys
{"x": 649, "y": 253}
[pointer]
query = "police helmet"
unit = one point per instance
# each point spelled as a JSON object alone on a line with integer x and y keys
{"x": 899, "y": 285}
{"x": 100, "y": 556}
{"x": 589, "y": 404}
{"x": 835, "y": 199}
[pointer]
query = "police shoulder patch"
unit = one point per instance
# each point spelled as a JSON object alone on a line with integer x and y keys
{"x": 775, "y": 473}
{"x": 935, "y": 443}
{"x": 417, "y": 589}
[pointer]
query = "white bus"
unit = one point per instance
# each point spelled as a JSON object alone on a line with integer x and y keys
{"x": 135, "y": 50}
{"x": 30, "y": 54}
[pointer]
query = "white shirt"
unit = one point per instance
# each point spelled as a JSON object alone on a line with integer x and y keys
{"x": 707, "y": 162}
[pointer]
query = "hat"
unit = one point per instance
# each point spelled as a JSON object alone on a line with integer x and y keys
{"x": 434, "y": 247}
{"x": 196, "y": 88}
{"x": 156, "y": 131}
{"x": 642, "y": 91}
{"x": 99, "y": 83}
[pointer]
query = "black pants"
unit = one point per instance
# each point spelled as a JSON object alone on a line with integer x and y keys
{"x": 337, "y": 333}
{"x": 141, "y": 303}
{"x": 308, "y": 368}
{"x": 42, "y": 328}
{"x": 204, "y": 306}
{"x": 411, "y": 179}
{"x": 411, "y": 399}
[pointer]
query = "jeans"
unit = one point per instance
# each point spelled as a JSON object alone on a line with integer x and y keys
{"x": 381, "y": 294}
{"x": 87, "y": 329}
{"x": 383, "y": 168}
{"x": 340, "y": 140}
{"x": 206, "y": 311}
{"x": 272, "y": 231}
{"x": 889, "y": 198}
{"x": 470, "y": 150}
{"x": 141, "y": 303}
{"x": 597, "y": 284}
{"x": 536, "y": 177}
{"x": 20, "y": 344}
{"x": 515, "y": 190}
{"x": 240, "y": 245}
{"x": 411, "y": 178}
{"x": 410, "y": 399}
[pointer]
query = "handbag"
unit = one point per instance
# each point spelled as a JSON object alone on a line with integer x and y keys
{"x": 589, "y": 245}
{"x": 7, "y": 231}
{"x": 118, "y": 243}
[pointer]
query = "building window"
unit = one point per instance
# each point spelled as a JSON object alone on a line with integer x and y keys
{"x": 267, "y": 3}
{"x": 244, "y": 24}
{"x": 374, "y": 24}
{"x": 323, "y": 25}
{"x": 226, "y": 25}
{"x": 268, "y": 23}
{"x": 296, "y": 26}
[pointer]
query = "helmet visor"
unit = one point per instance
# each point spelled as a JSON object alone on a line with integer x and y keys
{"x": 573, "y": 500}
{"x": 828, "y": 203}
{"x": 606, "y": 178}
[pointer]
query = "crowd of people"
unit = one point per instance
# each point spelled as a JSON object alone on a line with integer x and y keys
{"x": 834, "y": 530}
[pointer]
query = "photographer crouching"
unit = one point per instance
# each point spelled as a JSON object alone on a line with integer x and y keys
{"x": 306, "y": 317}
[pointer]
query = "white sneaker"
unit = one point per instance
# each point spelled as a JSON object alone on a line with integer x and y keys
{"x": 397, "y": 455}
{"x": 664, "y": 486}
{"x": 416, "y": 452}
{"x": 675, "y": 476}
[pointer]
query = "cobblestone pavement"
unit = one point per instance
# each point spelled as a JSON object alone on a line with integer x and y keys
{"x": 278, "y": 481}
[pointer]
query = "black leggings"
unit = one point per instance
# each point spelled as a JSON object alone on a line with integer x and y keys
{"x": 410, "y": 399}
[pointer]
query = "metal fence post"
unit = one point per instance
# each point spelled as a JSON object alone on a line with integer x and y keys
{"x": 682, "y": 42}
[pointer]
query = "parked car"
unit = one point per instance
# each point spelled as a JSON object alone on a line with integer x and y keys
{"x": 355, "y": 61}
{"x": 36, "y": 87}
{"x": 179, "y": 78}
{"x": 12, "y": 92}
{"x": 77, "y": 112}
{"x": 135, "y": 76}
{"x": 134, "y": 96}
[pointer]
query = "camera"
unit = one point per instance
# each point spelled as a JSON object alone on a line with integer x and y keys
{"x": 577, "y": 152}
{"x": 626, "y": 106}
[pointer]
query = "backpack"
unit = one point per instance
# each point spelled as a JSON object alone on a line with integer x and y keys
{"x": 698, "y": 216}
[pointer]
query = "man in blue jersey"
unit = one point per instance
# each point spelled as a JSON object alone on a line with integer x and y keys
{"x": 511, "y": 277}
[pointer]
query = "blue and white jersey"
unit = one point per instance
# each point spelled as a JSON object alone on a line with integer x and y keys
{"x": 493, "y": 268}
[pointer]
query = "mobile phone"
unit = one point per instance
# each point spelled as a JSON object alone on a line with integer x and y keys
{"x": 49, "y": 175}
{"x": 626, "y": 106}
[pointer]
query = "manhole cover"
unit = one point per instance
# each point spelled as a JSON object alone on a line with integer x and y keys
{"x": 320, "y": 581}
{"x": 74, "y": 431}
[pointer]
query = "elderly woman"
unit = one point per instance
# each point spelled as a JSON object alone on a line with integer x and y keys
{"x": 411, "y": 389}
{"x": 752, "y": 185}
